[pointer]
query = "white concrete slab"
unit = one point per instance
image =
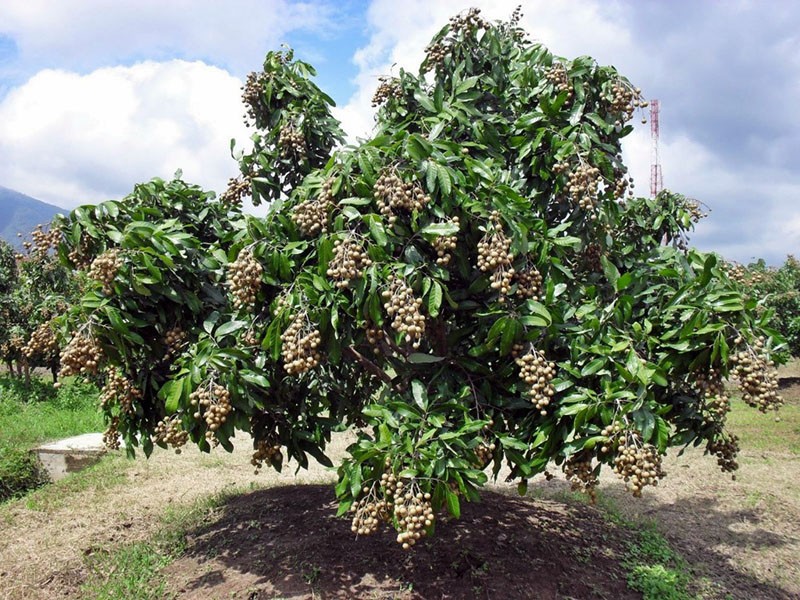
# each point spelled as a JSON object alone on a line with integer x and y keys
{"x": 62, "y": 457}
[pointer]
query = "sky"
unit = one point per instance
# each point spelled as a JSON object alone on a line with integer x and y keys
{"x": 97, "y": 95}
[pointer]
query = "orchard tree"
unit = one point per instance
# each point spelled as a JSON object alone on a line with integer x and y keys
{"x": 777, "y": 290}
{"x": 475, "y": 286}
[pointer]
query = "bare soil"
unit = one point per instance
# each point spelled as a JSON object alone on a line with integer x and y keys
{"x": 282, "y": 540}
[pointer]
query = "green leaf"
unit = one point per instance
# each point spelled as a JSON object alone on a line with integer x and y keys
{"x": 453, "y": 505}
{"x": 418, "y": 358}
{"x": 435, "y": 299}
{"x": 420, "y": 394}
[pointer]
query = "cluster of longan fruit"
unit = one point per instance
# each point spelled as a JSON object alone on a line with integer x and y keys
{"x": 244, "y": 279}
{"x": 81, "y": 356}
{"x": 726, "y": 449}
{"x": 413, "y": 512}
{"x": 111, "y": 434}
{"x": 291, "y": 142}
{"x": 169, "y": 431}
{"x": 484, "y": 453}
{"x": 582, "y": 183}
{"x": 625, "y": 99}
{"x": 119, "y": 388}
{"x": 711, "y": 389}
{"x": 537, "y": 372}
{"x": 637, "y": 464}
{"x": 237, "y": 190}
{"x": 251, "y": 96}
{"x": 265, "y": 452}
{"x": 557, "y": 75}
{"x": 740, "y": 274}
{"x": 212, "y": 403}
{"x": 591, "y": 256}
{"x": 43, "y": 240}
{"x": 469, "y": 21}
{"x": 174, "y": 340}
{"x": 105, "y": 267}
{"x": 389, "y": 87}
{"x": 757, "y": 376}
{"x": 348, "y": 262}
{"x": 43, "y": 342}
{"x": 494, "y": 256}
{"x": 435, "y": 53}
{"x": 580, "y": 474}
{"x": 370, "y": 513}
{"x": 404, "y": 308}
{"x": 374, "y": 336}
{"x": 80, "y": 255}
{"x": 311, "y": 215}
{"x": 300, "y": 345}
{"x": 445, "y": 244}
{"x": 529, "y": 284}
{"x": 392, "y": 194}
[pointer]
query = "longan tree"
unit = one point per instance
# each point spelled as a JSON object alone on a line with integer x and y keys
{"x": 473, "y": 287}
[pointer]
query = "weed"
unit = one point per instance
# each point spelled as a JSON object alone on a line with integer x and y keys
{"x": 33, "y": 413}
{"x": 655, "y": 569}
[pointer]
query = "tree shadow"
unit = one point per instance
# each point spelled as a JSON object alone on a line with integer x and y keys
{"x": 699, "y": 528}
{"x": 287, "y": 542}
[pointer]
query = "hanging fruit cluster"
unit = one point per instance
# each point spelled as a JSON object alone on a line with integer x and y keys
{"x": 494, "y": 256}
{"x": 299, "y": 345}
{"x": 169, "y": 431}
{"x": 212, "y": 403}
{"x": 238, "y": 189}
{"x": 393, "y": 194}
{"x": 537, "y": 372}
{"x": 348, "y": 262}
{"x": 311, "y": 215}
{"x": 175, "y": 339}
{"x": 266, "y": 452}
{"x": 580, "y": 474}
{"x": 445, "y": 244}
{"x": 726, "y": 449}
{"x": 81, "y": 356}
{"x": 105, "y": 267}
{"x": 710, "y": 388}
{"x": 244, "y": 279}
{"x": 557, "y": 75}
{"x": 120, "y": 390}
{"x": 529, "y": 284}
{"x": 638, "y": 464}
{"x": 404, "y": 308}
{"x": 42, "y": 342}
{"x": 582, "y": 184}
{"x": 291, "y": 142}
{"x": 111, "y": 437}
{"x": 388, "y": 88}
{"x": 625, "y": 99}
{"x": 757, "y": 377}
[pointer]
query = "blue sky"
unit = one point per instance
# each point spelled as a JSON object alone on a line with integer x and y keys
{"x": 96, "y": 95}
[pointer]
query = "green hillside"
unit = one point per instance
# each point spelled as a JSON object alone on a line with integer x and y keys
{"x": 20, "y": 214}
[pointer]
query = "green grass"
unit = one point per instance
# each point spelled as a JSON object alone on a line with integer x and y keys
{"x": 655, "y": 569}
{"x": 761, "y": 432}
{"x": 36, "y": 413}
{"x": 135, "y": 571}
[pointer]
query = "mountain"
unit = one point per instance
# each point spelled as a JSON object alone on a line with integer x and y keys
{"x": 20, "y": 214}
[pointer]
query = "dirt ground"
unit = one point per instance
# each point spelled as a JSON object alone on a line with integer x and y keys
{"x": 281, "y": 540}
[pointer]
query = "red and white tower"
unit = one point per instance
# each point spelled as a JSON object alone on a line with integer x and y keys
{"x": 656, "y": 180}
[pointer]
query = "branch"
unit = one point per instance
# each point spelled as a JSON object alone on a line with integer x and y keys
{"x": 368, "y": 364}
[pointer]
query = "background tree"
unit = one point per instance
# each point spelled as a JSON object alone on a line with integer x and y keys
{"x": 777, "y": 291}
{"x": 474, "y": 285}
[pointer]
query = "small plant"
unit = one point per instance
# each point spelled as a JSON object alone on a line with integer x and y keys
{"x": 655, "y": 570}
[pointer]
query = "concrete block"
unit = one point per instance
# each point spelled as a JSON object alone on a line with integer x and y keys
{"x": 70, "y": 455}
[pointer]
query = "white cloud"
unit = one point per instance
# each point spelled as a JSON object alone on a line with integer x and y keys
{"x": 71, "y": 139}
{"x": 83, "y": 35}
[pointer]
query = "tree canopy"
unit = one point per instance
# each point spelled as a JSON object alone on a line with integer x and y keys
{"x": 475, "y": 285}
